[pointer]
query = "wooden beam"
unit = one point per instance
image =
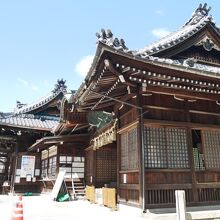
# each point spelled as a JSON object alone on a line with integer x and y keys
{"x": 179, "y": 124}
{"x": 182, "y": 93}
{"x": 162, "y": 108}
{"x": 124, "y": 98}
{"x": 123, "y": 79}
{"x": 204, "y": 113}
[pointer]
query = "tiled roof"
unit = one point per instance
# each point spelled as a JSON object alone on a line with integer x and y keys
{"x": 198, "y": 21}
{"x": 189, "y": 63}
{"x": 174, "y": 38}
{"x": 41, "y": 102}
{"x": 30, "y": 121}
{"x": 200, "y": 18}
{"x": 60, "y": 87}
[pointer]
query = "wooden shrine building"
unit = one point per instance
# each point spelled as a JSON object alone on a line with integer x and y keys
{"x": 146, "y": 122}
{"x": 65, "y": 150}
{"x": 166, "y": 102}
{"x": 21, "y": 129}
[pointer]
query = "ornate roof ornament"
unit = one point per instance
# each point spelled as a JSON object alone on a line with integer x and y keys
{"x": 106, "y": 37}
{"x": 19, "y": 104}
{"x": 189, "y": 62}
{"x": 60, "y": 86}
{"x": 208, "y": 44}
{"x": 198, "y": 14}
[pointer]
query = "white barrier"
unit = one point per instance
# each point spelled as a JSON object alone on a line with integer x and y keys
{"x": 180, "y": 204}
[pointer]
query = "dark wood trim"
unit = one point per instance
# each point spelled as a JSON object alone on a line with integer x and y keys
{"x": 190, "y": 153}
{"x": 129, "y": 186}
{"x": 118, "y": 154}
{"x": 183, "y": 94}
{"x": 167, "y": 170}
{"x": 139, "y": 144}
{"x": 128, "y": 127}
{"x": 155, "y": 122}
{"x": 204, "y": 113}
{"x": 41, "y": 144}
{"x": 169, "y": 186}
{"x": 128, "y": 171}
{"x": 208, "y": 185}
{"x": 163, "y": 108}
{"x": 94, "y": 167}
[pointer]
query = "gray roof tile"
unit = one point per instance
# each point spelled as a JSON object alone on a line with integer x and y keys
{"x": 30, "y": 121}
{"x": 41, "y": 102}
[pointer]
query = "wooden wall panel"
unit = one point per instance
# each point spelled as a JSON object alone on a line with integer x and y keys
{"x": 128, "y": 117}
{"x": 129, "y": 196}
{"x": 208, "y": 177}
{"x": 89, "y": 161}
{"x": 106, "y": 165}
{"x": 169, "y": 177}
{"x": 131, "y": 178}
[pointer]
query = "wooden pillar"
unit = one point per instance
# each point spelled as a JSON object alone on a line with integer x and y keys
{"x": 94, "y": 152}
{"x": 141, "y": 155}
{"x": 58, "y": 160}
{"x": 14, "y": 167}
{"x": 190, "y": 153}
{"x": 118, "y": 141}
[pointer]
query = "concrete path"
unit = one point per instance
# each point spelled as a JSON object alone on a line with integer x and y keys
{"x": 43, "y": 208}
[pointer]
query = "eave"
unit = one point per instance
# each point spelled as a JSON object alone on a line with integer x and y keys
{"x": 137, "y": 70}
{"x": 58, "y": 140}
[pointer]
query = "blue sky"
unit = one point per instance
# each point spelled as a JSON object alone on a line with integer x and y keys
{"x": 45, "y": 40}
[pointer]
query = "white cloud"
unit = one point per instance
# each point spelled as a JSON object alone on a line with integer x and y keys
{"x": 35, "y": 88}
{"x": 82, "y": 67}
{"x": 159, "y": 12}
{"x": 23, "y": 82}
{"x": 27, "y": 84}
{"x": 160, "y": 32}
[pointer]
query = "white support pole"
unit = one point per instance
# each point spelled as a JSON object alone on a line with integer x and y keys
{"x": 180, "y": 204}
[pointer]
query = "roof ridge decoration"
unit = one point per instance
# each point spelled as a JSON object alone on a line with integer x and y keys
{"x": 59, "y": 87}
{"x": 199, "y": 19}
{"x": 198, "y": 14}
{"x": 106, "y": 37}
{"x": 188, "y": 63}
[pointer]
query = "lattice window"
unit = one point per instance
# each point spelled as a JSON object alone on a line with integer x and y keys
{"x": 211, "y": 143}
{"x": 129, "y": 150}
{"x": 177, "y": 148}
{"x": 106, "y": 165}
{"x": 155, "y": 153}
{"x": 166, "y": 148}
{"x": 44, "y": 165}
{"x": 124, "y": 151}
{"x": 52, "y": 167}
